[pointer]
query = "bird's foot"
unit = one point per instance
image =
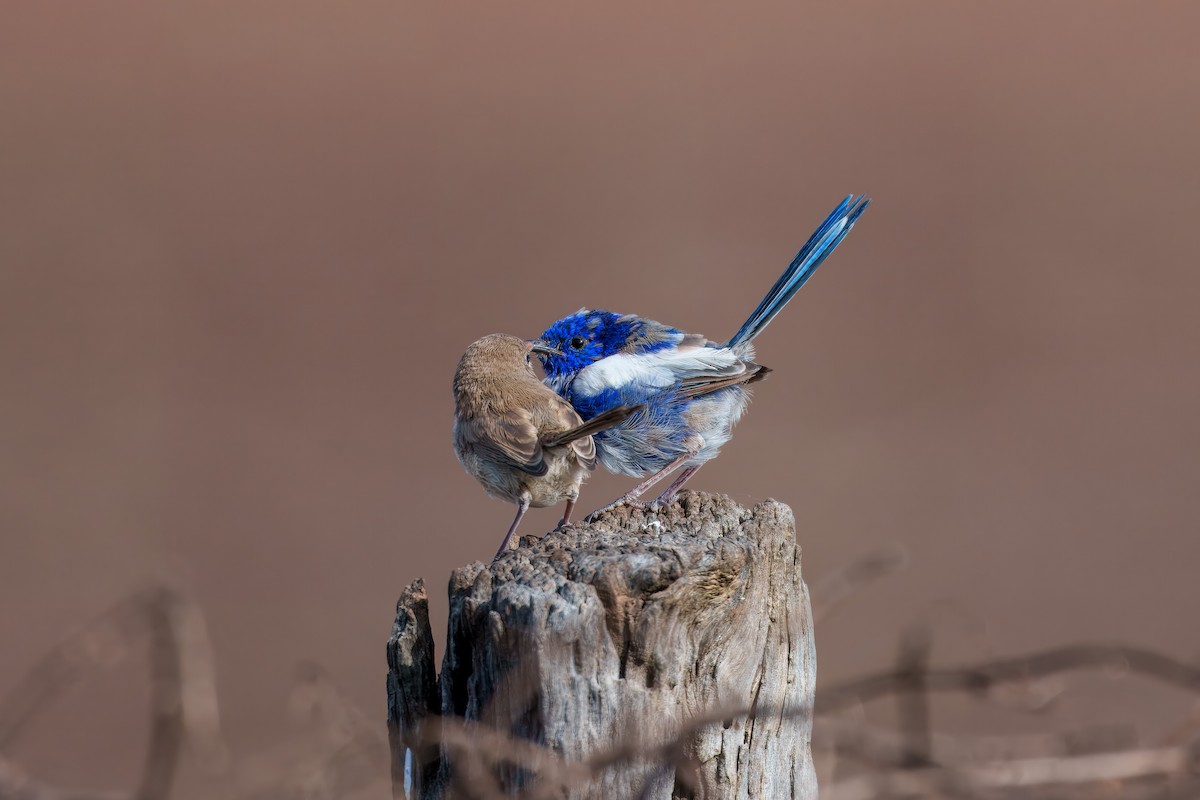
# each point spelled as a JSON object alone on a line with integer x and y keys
{"x": 621, "y": 501}
{"x": 662, "y": 503}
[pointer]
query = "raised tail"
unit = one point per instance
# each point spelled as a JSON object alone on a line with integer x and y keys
{"x": 600, "y": 422}
{"x": 815, "y": 250}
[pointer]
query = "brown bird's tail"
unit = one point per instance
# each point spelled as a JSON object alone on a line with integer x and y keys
{"x": 600, "y": 422}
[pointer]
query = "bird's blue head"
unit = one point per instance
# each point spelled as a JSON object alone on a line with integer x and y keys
{"x": 583, "y": 338}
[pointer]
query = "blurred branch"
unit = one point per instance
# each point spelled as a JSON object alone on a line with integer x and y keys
{"x": 478, "y": 751}
{"x": 1021, "y": 774}
{"x": 1014, "y": 764}
{"x": 980, "y": 678}
{"x": 16, "y": 785}
{"x": 912, "y": 704}
{"x": 166, "y": 701}
{"x": 183, "y": 700}
{"x": 886, "y": 749}
{"x": 101, "y": 643}
{"x": 1187, "y": 728}
{"x": 833, "y": 590}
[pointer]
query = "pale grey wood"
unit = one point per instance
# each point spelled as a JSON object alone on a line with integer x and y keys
{"x": 622, "y": 631}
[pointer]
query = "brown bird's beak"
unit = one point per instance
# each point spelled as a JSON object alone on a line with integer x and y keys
{"x": 538, "y": 346}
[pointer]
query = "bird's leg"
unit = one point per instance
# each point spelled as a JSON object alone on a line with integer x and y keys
{"x": 566, "y": 520}
{"x": 630, "y": 497}
{"x": 666, "y": 497}
{"x": 522, "y": 507}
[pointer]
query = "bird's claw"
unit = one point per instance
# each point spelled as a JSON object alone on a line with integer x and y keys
{"x": 661, "y": 504}
{"x": 624, "y": 501}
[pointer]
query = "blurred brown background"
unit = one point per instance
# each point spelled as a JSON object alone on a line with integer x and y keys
{"x": 243, "y": 245}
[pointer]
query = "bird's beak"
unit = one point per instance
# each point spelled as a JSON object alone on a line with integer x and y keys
{"x": 538, "y": 346}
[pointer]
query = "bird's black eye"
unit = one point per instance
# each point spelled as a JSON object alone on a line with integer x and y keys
{"x": 577, "y": 343}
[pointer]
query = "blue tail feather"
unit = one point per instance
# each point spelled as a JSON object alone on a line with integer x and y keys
{"x": 815, "y": 250}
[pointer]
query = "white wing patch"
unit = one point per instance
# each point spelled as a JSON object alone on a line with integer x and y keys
{"x": 660, "y": 369}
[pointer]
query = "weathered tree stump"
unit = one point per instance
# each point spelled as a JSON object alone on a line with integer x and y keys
{"x": 656, "y": 654}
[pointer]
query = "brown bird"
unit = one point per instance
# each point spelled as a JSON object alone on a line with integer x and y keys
{"x": 515, "y": 435}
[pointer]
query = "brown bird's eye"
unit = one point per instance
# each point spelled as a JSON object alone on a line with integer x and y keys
{"x": 577, "y": 343}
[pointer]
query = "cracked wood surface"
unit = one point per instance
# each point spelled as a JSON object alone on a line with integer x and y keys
{"x": 603, "y": 640}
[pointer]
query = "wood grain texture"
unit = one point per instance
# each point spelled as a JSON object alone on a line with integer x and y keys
{"x": 603, "y": 641}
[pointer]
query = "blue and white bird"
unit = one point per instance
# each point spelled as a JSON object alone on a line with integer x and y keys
{"x": 693, "y": 390}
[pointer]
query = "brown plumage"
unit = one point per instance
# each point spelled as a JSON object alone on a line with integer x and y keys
{"x": 516, "y": 436}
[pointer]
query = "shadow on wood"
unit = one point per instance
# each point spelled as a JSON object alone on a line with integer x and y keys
{"x": 650, "y": 654}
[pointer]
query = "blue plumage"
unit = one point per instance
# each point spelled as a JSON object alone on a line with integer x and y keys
{"x": 815, "y": 250}
{"x": 693, "y": 390}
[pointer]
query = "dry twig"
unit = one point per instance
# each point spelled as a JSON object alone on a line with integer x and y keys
{"x": 883, "y": 749}
{"x": 183, "y": 693}
{"x": 833, "y": 590}
{"x": 1022, "y": 774}
{"x": 980, "y": 678}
